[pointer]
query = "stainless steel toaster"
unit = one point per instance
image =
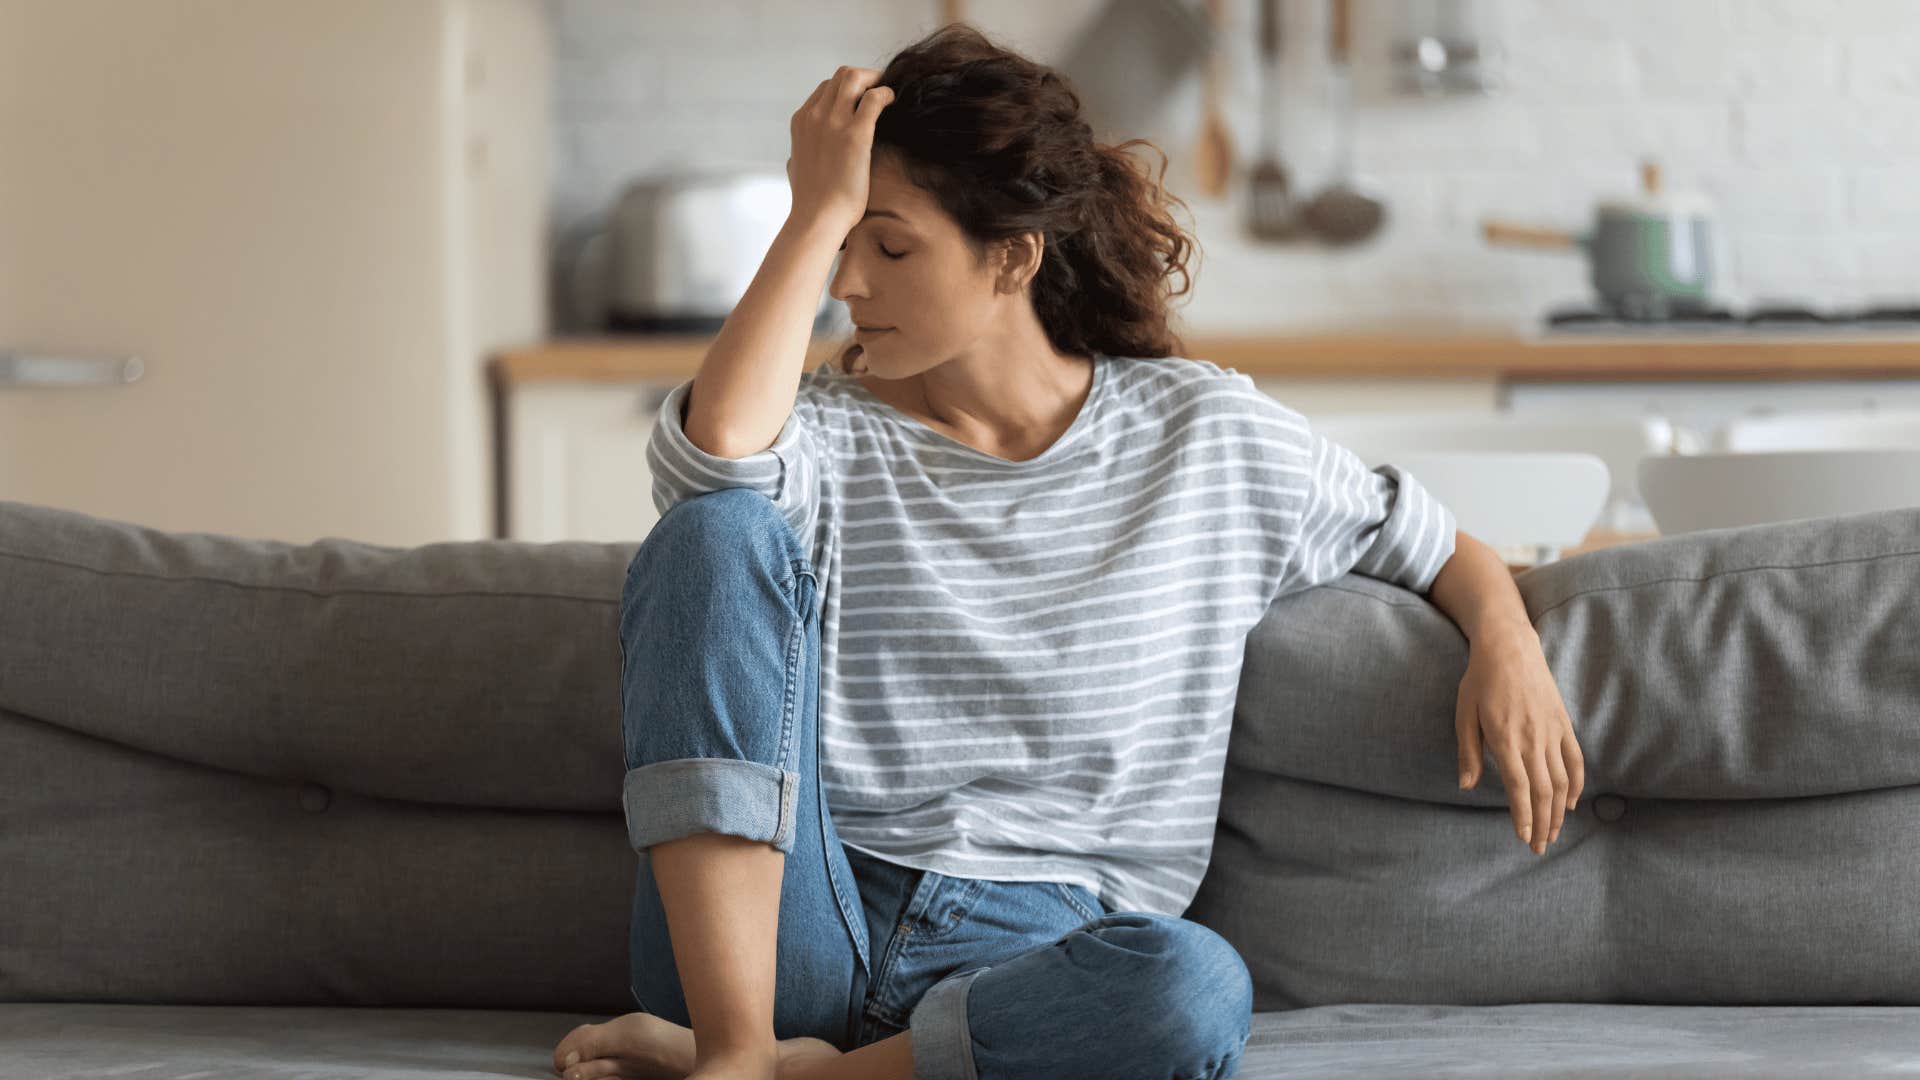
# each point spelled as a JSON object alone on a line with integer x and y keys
{"x": 682, "y": 246}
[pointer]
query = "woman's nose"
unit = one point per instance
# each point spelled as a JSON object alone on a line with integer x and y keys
{"x": 840, "y": 286}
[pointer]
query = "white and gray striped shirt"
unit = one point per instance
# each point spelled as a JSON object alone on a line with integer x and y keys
{"x": 1028, "y": 668}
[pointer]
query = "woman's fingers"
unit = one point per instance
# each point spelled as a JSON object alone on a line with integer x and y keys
{"x": 1530, "y": 786}
{"x": 867, "y": 113}
{"x": 1513, "y": 775}
{"x": 1539, "y": 796}
{"x": 1576, "y": 766}
{"x": 1551, "y": 798}
{"x": 829, "y": 166}
{"x": 1540, "y": 788}
{"x": 853, "y": 82}
{"x": 839, "y": 88}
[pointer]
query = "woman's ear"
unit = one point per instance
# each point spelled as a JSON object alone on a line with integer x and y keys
{"x": 1020, "y": 257}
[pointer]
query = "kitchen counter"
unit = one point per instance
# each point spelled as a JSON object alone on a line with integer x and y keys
{"x": 580, "y": 418}
{"x": 1402, "y": 354}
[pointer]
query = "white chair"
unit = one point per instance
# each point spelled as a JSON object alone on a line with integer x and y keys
{"x": 1619, "y": 441}
{"x": 1730, "y": 489}
{"x": 1824, "y": 429}
{"x": 1525, "y": 506}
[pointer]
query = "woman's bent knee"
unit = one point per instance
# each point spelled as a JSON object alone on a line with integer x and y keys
{"x": 1192, "y": 994}
{"x": 720, "y": 524}
{"x": 1209, "y": 988}
{"x": 723, "y": 540}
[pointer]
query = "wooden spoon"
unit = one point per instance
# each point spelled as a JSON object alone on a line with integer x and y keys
{"x": 1215, "y": 164}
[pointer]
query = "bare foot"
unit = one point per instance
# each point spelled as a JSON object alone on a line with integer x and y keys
{"x": 638, "y": 1045}
{"x": 802, "y": 1049}
{"x": 750, "y": 1064}
{"x": 642, "y": 1046}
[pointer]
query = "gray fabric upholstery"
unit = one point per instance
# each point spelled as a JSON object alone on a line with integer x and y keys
{"x": 1748, "y": 703}
{"x": 238, "y": 772}
{"x": 178, "y": 1042}
{"x": 1415, "y": 1042}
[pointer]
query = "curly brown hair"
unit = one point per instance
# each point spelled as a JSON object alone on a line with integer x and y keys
{"x": 999, "y": 142}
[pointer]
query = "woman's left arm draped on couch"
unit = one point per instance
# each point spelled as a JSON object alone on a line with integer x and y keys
{"x": 1508, "y": 703}
{"x": 1383, "y": 523}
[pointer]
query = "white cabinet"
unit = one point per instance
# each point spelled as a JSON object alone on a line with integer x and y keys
{"x": 577, "y": 459}
{"x": 1313, "y": 396}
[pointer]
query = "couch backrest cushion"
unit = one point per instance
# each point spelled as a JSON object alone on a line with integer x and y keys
{"x": 246, "y": 771}
{"x": 1748, "y": 705}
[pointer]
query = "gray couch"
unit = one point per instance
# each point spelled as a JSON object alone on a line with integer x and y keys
{"x": 338, "y": 809}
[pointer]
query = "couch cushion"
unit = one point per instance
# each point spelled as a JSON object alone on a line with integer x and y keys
{"x": 1748, "y": 705}
{"x": 183, "y": 1042}
{"x": 1581, "y": 1042}
{"x": 434, "y": 673}
{"x": 239, "y": 771}
{"x": 1566, "y": 1042}
{"x": 242, "y": 771}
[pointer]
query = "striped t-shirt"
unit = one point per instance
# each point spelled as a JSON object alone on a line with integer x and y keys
{"x": 1028, "y": 668}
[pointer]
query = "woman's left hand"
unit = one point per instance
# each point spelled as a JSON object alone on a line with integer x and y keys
{"x": 1509, "y": 705}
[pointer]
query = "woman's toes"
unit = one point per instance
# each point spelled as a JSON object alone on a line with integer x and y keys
{"x": 574, "y": 1048}
{"x": 638, "y": 1045}
{"x": 596, "y": 1069}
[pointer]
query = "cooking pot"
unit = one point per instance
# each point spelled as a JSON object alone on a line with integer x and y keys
{"x": 1648, "y": 257}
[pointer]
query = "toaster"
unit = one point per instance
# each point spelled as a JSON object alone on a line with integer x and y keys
{"x": 681, "y": 247}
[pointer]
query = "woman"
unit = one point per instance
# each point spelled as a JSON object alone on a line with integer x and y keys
{"x": 929, "y": 664}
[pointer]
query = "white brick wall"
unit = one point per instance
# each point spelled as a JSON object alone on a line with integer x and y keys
{"x": 1800, "y": 118}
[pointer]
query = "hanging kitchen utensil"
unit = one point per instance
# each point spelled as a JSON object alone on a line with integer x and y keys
{"x": 1647, "y": 258}
{"x": 1132, "y": 61}
{"x": 1440, "y": 47}
{"x": 1271, "y": 214}
{"x": 1343, "y": 213}
{"x": 1214, "y": 165}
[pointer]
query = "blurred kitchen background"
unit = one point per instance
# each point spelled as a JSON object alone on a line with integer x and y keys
{"x": 424, "y": 270}
{"x": 1798, "y": 117}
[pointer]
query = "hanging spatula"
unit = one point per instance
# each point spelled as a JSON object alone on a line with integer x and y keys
{"x": 1271, "y": 214}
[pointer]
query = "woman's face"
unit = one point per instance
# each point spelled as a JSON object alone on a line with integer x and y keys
{"x": 908, "y": 266}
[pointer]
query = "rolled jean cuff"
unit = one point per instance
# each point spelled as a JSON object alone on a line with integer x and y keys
{"x": 942, "y": 1044}
{"x": 668, "y": 800}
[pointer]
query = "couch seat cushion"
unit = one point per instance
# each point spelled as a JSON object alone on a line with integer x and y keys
{"x": 180, "y": 1042}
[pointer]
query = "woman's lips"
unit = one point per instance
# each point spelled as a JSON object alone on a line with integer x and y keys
{"x": 871, "y": 329}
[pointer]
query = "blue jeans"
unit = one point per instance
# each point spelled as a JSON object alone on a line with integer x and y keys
{"x": 719, "y": 641}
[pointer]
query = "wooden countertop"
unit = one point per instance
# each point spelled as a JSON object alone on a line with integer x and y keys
{"x": 1401, "y": 354}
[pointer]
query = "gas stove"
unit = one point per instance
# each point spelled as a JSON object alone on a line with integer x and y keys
{"x": 1767, "y": 316}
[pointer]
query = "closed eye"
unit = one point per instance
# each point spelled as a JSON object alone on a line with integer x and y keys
{"x": 883, "y": 251}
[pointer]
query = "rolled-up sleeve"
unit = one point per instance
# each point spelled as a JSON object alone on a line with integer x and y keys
{"x": 1378, "y": 522}
{"x": 787, "y": 472}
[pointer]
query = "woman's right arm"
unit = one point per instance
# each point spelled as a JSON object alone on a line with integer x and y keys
{"x": 745, "y": 386}
{"x": 744, "y": 390}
